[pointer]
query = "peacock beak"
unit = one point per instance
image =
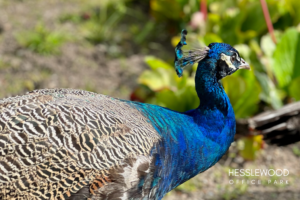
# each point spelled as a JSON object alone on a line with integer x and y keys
{"x": 244, "y": 65}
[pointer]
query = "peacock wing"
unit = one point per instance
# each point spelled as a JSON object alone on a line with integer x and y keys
{"x": 55, "y": 142}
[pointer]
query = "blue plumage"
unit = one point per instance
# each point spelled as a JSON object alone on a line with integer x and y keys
{"x": 216, "y": 48}
{"x": 190, "y": 142}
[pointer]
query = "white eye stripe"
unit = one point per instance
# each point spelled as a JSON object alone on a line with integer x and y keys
{"x": 237, "y": 57}
{"x": 227, "y": 60}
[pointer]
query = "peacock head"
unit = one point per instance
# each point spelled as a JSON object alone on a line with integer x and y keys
{"x": 226, "y": 60}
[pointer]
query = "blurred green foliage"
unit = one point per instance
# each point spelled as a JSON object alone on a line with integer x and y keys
{"x": 249, "y": 146}
{"x": 243, "y": 91}
{"x": 274, "y": 78}
{"x": 109, "y": 15}
{"x": 41, "y": 40}
{"x": 286, "y": 58}
{"x": 296, "y": 151}
{"x": 122, "y": 26}
{"x": 169, "y": 90}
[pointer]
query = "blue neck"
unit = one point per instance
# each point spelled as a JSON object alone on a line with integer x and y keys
{"x": 209, "y": 89}
{"x": 215, "y": 108}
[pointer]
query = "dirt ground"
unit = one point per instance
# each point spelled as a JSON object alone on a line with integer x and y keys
{"x": 88, "y": 67}
{"x": 79, "y": 65}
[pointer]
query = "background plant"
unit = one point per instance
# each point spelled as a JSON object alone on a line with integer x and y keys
{"x": 41, "y": 40}
{"x": 275, "y": 62}
{"x": 275, "y": 76}
{"x": 110, "y": 38}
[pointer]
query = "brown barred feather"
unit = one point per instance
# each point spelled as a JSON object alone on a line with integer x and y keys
{"x": 56, "y": 142}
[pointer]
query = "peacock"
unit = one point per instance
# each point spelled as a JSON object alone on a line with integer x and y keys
{"x": 74, "y": 144}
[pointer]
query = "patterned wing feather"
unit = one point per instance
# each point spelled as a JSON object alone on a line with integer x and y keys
{"x": 56, "y": 142}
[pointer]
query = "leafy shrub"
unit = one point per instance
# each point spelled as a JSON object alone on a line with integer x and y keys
{"x": 275, "y": 76}
{"x": 167, "y": 89}
{"x": 276, "y": 71}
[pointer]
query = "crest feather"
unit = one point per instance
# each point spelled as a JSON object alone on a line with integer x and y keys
{"x": 186, "y": 58}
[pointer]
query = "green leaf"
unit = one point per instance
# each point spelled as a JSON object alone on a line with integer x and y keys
{"x": 243, "y": 91}
{"x": 254, "y": 18}
{"x": 179, "y": 100}
{"x": 270, "y": 93}
{"x": 267, "y": 44}
{"x": 155, "y": 63}
{"x": 158, "y": 79}
{"x": 162, "y": 76}
{"x": 286, "y": 58}
{"x": 293, "y": 7}
{"x": 294, "y": 89}
{"x": 211, "y": 37}
{"x": 296, "y": 151}
{"x": 167, "y": 98}
{"x": 167, "y": 9}
{"x": 249, "y": 146}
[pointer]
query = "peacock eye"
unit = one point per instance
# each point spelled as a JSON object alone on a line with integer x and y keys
{"x": 233, "y": 58}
